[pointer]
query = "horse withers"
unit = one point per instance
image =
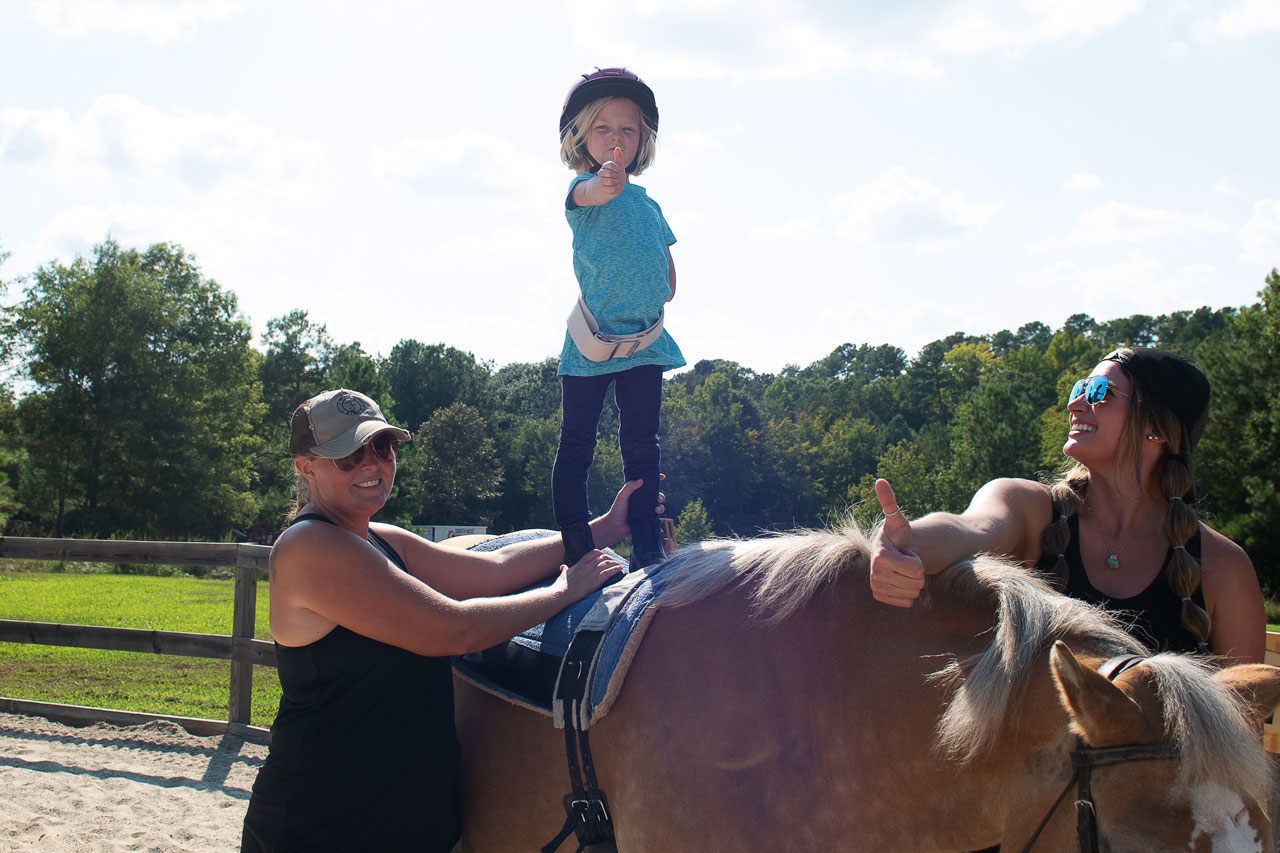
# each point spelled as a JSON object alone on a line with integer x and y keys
{"x": 773, "y": 705}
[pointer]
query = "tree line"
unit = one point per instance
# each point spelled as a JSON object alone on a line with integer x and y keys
{"x": 138, "y": 405}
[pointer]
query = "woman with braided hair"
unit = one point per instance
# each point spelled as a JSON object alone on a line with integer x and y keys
{"x": 1118, "y": 528}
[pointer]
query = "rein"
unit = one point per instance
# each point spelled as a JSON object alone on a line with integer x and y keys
{"x": 1084, "y": 758}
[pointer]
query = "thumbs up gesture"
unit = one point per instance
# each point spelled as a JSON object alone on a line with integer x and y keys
{"x": 897, "y": 574}
{"x": 613, "y": 175}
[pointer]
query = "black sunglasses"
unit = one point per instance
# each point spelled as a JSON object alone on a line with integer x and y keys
{"x": 384, "y": 446}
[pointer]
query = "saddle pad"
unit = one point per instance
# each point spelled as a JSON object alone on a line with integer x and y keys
{"x": 524, "y": 670}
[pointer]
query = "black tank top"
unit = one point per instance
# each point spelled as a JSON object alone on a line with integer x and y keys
{"x": 1153, "y": 615}
{"x": 363, "y": 754}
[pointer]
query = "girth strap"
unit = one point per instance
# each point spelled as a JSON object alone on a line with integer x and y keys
{"x": 586, "y": 807}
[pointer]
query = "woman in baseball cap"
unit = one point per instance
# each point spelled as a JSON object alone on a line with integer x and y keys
{"x": 365, "y": 617}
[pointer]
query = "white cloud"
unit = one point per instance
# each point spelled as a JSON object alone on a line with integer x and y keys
{"x": 1244, "y": 19}
{"x": 1080, "y": 181}
{"x": 467, "y": 163}
{"x": 221, "y": 231}
{"x": 1222, "y": 186}
{"x": 796, "y": 228}
{"x": 119, "y": 138}
{"x": 899, "y": 209}
{"x": 977, "y": 26}
{"x": 161, "y": 21}
{"x": 1260, "y": 236}
{"x": 688, "y": 148}
{"x": 1117, "y": 222}
{"x": 1125, "y": 287}
{"x": 742, "y": 41}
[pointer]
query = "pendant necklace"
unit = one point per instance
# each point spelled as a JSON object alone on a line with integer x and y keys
{"x": 1113, "y": 556}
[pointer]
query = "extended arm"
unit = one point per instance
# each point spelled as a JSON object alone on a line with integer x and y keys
{"x": 322, "y": 575}
{"x": 608, "y": 183}
{"x": 1005, "y": 517}
{"x": 469, "y": 574}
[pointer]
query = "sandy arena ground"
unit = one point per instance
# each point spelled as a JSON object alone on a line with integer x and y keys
{"x": 152, "y": 787}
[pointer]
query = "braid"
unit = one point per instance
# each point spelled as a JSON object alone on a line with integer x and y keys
{"x": 1181, "y": 523}
{"x": 1067, "y": 492}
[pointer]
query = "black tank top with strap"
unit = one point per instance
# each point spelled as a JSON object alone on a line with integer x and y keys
{"x": 1153, "y": 615}
{"x": 363, "y": 754}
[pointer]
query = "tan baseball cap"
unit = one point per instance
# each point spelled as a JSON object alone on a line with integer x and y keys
{"x": 337, "y": 423}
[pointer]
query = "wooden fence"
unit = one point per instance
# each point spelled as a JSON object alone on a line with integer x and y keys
{"x": 239, "y": 647}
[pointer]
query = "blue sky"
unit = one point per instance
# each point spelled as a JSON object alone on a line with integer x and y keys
{"x": 835, "y": 172}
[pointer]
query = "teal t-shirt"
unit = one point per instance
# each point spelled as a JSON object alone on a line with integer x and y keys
{"x": 620, "y": 259}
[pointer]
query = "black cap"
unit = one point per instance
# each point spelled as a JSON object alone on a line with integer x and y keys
{"x": 1176, "y": 382}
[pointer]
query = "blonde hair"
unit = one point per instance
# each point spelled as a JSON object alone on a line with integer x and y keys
{"x": 301, "y": 493}
{"x": 1175, "y": 475}
{"x": 573, "y": 141}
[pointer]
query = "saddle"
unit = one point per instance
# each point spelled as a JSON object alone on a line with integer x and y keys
{"x": 527, "y": 669}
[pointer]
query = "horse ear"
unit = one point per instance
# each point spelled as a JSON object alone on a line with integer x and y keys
{"x": 1102, "y": 713}
{"x": 1256, "y": 683}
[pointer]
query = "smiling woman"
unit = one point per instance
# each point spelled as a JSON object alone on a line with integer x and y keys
{"x": 1134, "y": 424}
{"x": 365, "y": 617}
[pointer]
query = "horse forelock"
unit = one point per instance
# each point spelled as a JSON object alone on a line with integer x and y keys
{"x": 783, "y": 570}
{"x": 1209, "y": 723}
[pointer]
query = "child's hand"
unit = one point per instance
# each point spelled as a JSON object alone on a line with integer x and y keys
{"x": 613, "y": 175}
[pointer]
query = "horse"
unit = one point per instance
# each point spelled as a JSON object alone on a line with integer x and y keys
{"x": 773, "y": 704}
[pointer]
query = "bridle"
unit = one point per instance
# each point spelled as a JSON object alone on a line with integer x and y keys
{"x": 1084, "y": 758}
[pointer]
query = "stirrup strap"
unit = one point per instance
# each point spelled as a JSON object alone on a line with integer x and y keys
{"x": 586, "y": 807}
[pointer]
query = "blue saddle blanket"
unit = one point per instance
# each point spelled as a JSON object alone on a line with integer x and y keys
{"x": 524, "y": 670}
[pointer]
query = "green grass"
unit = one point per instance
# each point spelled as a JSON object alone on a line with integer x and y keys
{"x": 130, "y": 681}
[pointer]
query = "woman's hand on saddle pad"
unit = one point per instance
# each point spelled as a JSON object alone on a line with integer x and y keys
{"x": 589, "y": 574}
{"x": 897, "y": 573}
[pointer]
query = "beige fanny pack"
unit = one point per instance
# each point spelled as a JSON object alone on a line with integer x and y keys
{"x": 596, "y": 345}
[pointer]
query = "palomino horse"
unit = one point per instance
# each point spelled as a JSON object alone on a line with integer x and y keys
{"x": 773, "y": 705}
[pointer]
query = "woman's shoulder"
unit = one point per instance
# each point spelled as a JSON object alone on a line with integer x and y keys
{"x": 1221, "y": 557}
{"x": 1015, "y": 493}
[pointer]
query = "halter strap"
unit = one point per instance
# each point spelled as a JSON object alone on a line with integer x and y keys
{"x": 1084, "y": 758}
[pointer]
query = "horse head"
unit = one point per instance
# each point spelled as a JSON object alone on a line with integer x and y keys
{"x": 1166, "y": 755}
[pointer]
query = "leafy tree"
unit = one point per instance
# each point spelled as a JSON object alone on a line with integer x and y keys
{"x": 351, "y": 367}
{"x": 529, "y": 390}
{"x": 427, "y": 377}
{"x": 1239, "y": 456}
{"x": 693, "y": 525}
{"x": 295, "y": 365}
{"x": 145, "y": 413}
{"x": 451, "y": 475}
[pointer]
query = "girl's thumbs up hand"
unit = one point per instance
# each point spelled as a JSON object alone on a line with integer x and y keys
{"x": 613, "y": 175}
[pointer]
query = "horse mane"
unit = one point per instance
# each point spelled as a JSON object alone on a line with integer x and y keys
{"x": 782, "y": 570}
{"x": 1206, "y": 721}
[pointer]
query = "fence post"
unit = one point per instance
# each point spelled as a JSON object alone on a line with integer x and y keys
{"x": 240, "y": 702}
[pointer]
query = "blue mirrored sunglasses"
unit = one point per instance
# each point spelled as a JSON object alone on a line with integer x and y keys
{"x": 1094, "y": 388}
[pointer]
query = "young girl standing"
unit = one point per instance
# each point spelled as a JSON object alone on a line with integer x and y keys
{"x": 621, "y": 258}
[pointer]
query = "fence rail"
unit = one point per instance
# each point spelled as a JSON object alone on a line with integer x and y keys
{"x": 239, "y": 647}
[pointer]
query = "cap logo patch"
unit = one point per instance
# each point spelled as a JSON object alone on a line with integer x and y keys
{"x": 350, "y": 405}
